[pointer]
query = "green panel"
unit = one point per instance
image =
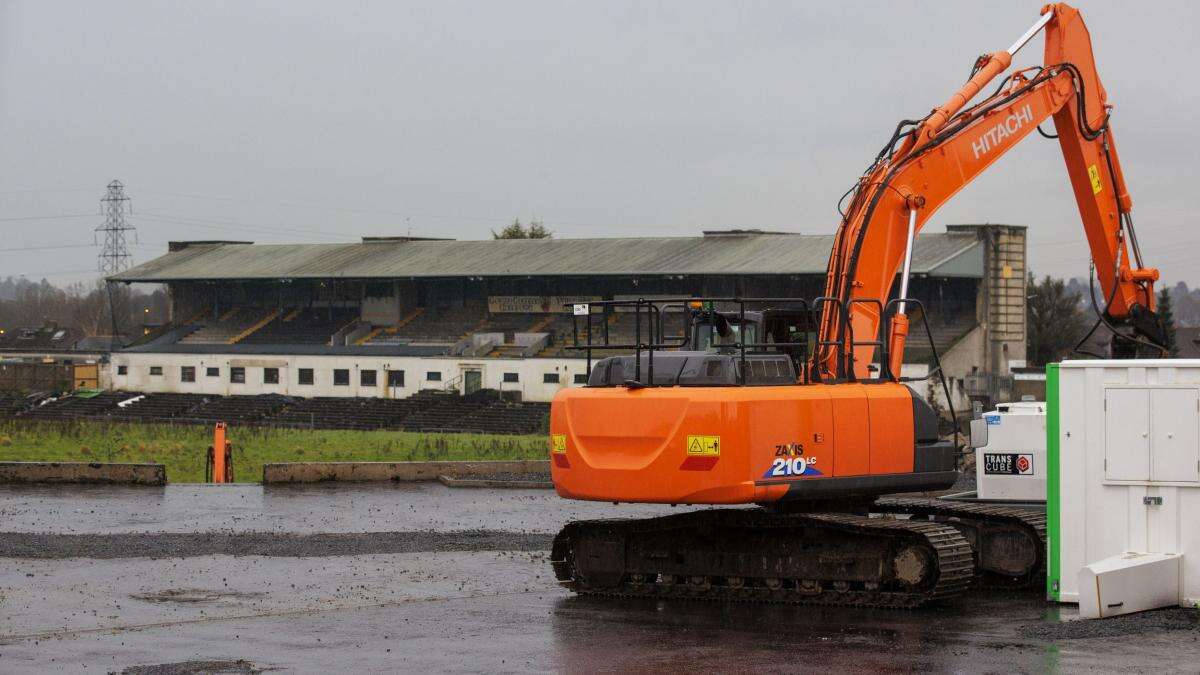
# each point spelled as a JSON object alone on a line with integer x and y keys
{"x": 1053, "y": 505}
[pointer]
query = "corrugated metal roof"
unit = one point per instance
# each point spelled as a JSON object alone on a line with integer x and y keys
{"x": 723, "y": 254}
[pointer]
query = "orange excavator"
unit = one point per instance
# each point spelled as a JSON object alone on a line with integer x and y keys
{"x": 818, "y": 433}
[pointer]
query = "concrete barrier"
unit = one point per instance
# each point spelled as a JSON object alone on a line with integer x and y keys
{"x": 357, "y": 472}
{"x": 82, "y": 473}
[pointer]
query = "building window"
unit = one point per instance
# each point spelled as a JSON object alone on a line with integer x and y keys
{"x": 511, "y": 377}
{"x": 366, "y": 378}
{"x": 549, "y": 378}
{"x": 212, "y": 372}
{"x": 341, "y": 377}
{"x": 395, "y": 378}
{"x": 581, "y": 378}
{"x": 434, "y": 376}
{"x": 306, "y": 376}
{"x": 122, "y": 370}
{"x": 237, "y": 375}
{"x": 270, "y": 376}
{"x": 187, "y": 374}
{"x": 156, "y": 370}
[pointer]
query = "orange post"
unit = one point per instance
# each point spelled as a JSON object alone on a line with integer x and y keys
{"x": 219, "y": 454}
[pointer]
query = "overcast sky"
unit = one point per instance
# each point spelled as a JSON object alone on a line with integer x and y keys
{"x": 324, "y": 121}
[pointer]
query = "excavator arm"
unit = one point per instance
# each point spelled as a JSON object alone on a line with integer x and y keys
{"x": 928, "y": 161}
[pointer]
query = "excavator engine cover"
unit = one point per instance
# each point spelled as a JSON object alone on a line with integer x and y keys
{"x": 740, "y": 445}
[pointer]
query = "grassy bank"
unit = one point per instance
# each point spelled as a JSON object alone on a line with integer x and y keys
{"x": 182, "y": 448}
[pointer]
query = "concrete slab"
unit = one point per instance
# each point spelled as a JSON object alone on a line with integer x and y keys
{"x": 94, "y": 473}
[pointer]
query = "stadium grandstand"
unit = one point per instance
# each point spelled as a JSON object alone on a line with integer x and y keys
{"x": 392, "y": 317}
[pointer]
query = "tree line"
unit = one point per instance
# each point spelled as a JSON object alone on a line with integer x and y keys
{"x": 1059, "y": 315}
{"x": 88, "y": 307}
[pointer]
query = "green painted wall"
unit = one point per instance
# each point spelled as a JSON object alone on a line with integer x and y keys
{"x": 1053, "y": 505}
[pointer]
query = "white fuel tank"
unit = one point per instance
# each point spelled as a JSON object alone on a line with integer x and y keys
{"x": 1010, "y": 452}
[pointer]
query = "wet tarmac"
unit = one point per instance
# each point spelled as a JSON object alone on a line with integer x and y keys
{"x": 446, "y": 598}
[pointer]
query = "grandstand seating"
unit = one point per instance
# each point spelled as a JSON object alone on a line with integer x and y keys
{"x": 514, "y": 323}
{"x": 946, "y": 329}
{"x": 347, "y": 413}
{"x": 622, "y": 329}
{"x": 315, "y": 325}
{"x": 12, "y": 404}
{"x": 159, "y": 407}
{"x": 227, "y": 327}
{"x": 78, "y": 407}
{"x": 430, "y": 410}
{"x": 482, "y": 411}
{"x": 436, "y": 326}
{"x": 239, "y": 409}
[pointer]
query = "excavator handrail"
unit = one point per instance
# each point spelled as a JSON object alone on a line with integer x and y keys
{"x": 656, "y": 339}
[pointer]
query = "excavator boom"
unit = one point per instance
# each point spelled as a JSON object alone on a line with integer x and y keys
{"x": 927, "y": 163}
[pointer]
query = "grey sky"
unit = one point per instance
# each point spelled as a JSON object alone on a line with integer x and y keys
{"x": 320, "y": 121}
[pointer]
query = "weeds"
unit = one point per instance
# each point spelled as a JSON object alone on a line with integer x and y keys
{"x": 182, "y": 449}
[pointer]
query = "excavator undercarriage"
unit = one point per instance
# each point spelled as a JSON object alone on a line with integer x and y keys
{"x": 928, "y": 551}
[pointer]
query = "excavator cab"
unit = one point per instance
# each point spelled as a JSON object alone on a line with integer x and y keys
{"x": 716, "y": 333}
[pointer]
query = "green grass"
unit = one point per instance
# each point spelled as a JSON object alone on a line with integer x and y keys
{"x": 182, "y": 449}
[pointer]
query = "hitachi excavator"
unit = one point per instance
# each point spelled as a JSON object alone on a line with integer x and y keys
{"x": 813, "y": 447}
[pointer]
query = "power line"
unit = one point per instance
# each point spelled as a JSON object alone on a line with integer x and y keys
{"x": 45, "y": 248}
{"x": 61, "y": 273}
{"x": 493, "y": 220}
{"x": 65, "y": 215}
{"x": 229, "y": 225}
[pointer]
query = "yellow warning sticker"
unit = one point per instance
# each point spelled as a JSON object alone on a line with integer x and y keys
{"x": 1094, "y": 174}
{"x": 558, "y": 444}
{"x": 704, "y": 446}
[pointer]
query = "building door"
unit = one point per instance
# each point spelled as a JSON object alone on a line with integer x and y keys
{"x": 87, "y": 376}
{"x": 395, "y": 383}
{"x": 472, "y": 381}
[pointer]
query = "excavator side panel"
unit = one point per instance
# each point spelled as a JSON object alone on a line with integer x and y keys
{"x": 891, "y": 425}
{"x": 852, "y": 435}
{"x": 736, "y": 445}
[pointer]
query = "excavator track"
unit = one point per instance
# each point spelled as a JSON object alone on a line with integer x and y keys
{"x": 750, "y": 555}
{"x": 1009, "y": 542}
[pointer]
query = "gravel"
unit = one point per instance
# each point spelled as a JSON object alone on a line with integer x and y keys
{"x": 1173, "y": 619}
{"x": 184, "y": 545}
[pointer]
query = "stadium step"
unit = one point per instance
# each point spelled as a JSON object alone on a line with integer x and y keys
{"x": 540, "y": 325}
{"x": 254, "y": 327}
{"x": 370, "y": 336}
